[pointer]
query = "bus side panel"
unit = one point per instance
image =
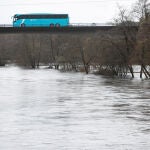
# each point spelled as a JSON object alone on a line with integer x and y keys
{"x": 41, "y": 22}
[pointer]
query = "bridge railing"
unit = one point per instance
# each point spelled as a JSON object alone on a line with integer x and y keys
{"x": 71, "y": 24}
{"x": 90, "y": 24}
{"x": 5, "y": 25}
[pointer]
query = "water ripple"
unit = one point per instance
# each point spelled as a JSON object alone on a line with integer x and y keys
{"x": 46, "y": 109}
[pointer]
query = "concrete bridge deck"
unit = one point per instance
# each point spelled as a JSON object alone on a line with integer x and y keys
{"x": 54, "y": 29}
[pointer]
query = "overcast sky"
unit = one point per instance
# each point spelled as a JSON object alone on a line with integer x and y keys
{"x": 80, "y": 11}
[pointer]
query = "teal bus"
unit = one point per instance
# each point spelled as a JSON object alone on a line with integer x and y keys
{"x": 40, "y": 20}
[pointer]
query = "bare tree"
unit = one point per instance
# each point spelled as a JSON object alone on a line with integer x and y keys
{"x": 2, "y": 51}
{"x": 141, "y": 9}
{"x": 143, "y": 47}
{"x": 128, "y": 30}
{"x": 30, "y": 53}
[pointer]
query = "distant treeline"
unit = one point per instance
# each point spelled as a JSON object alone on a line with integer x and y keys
{"x": 109, "y": 52}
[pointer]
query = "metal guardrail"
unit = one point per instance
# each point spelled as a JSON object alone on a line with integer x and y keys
{"x": 71, "y": 24}
{"x": 90, "y": 24}
{"x": 5, "y": 25}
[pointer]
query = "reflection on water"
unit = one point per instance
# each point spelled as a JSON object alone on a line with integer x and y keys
{"x": 46, "y": 109}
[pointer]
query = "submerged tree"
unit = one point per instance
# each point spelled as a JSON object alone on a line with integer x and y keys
{"x": 142, "y": 51}
{"x": 143, "y": 47}
{"x": 2, "y": 50}
{"x": 125, "y": 45}
{"x": 30, "y": 53}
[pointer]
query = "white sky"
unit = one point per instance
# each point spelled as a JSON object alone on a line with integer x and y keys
{"x": 80, "y": 11}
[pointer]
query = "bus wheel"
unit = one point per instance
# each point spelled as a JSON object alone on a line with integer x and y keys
{"x": 22, "y": 25}
{"x": 57, "y": 25}
{"x": 51, "y": 25}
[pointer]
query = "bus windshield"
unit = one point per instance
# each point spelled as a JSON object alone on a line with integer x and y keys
{"x": 15, "y": 19}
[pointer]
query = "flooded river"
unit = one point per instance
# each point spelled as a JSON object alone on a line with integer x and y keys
{"x": 49, "y": 110}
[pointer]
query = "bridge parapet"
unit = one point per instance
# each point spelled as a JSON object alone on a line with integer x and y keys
{"x": 55, "y": 29}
